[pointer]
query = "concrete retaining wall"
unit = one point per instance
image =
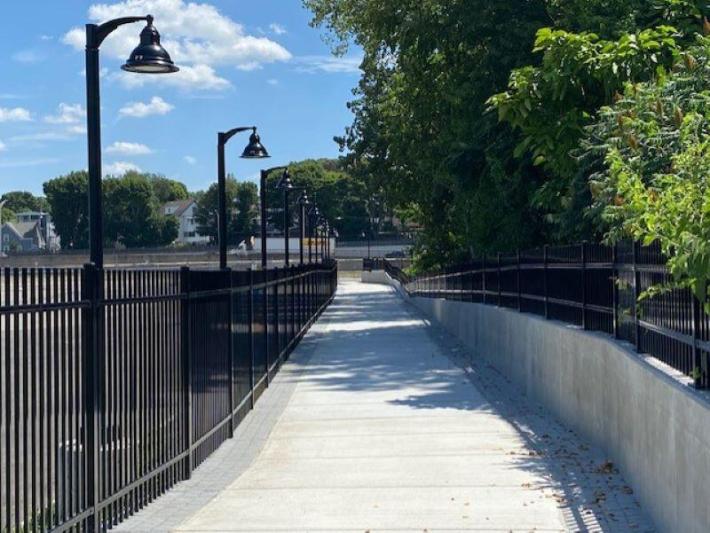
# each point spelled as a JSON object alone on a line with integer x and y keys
{"x": 655, "y": 429}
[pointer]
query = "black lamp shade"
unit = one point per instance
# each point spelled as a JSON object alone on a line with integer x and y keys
{"x": 255, "y": 150}
{"x": 150, "y": 57}
{"x": 286, "y": 183}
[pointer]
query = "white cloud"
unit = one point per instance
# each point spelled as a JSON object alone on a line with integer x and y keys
{"x": 15, "y": 114}
{"x": 27, "y": 56}
{"x": 3, "y": 146}
{"x": 126, "y": 148}
{"x": 190, "y": 160}
{"x": 156, "y": 106}
{"x": 197, "y": 78}
{"x": 278, "y": 29}
{"x": 272, "y": 81}
{"x": 196, "y": 35}
{"x": 329, "y": 64}
{"x": 67, "y": 114}
{"x": 46, "y": 38}
{"x": 119, "y": 168}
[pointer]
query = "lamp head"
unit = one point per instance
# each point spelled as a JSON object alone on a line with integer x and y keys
{"x": 150, "y": 57}
{"x": 286, "y": 184}
{"x": 255, "y": 150}
{"x": 304, "y": 200}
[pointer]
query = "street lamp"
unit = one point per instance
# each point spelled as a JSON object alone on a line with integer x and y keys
{"x": 254, "y": 150}
{"x": 287, "y": 187}
{"x": 304, "y": 203}
{"x": 314, "y": 217}
{"x": 149, "y": 57}
{"x": 368, "y": 242}
{"x": 262, "y": 198}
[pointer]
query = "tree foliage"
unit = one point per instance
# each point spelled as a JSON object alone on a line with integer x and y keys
{"x": 572, "y": 152}
{"x": 132, "y": 216}
{"x": 655, "y": 185}
{"x": 343, "y": 200}
{"x": 242, "y": 205}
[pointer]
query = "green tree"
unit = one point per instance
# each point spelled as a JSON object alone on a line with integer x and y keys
{"x": 655, "y": 186}
{"x": 132, "y": 214}
{"x": 67, "y": 198}
{"x": 18, "y": 201}
{"x": 167, "y": 190}
{"x": 242, "y": 206}
{"x": 343, "y": 199}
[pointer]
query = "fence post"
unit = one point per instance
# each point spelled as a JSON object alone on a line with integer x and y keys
{"x": 615, "y": 291}
{"x": 520, "y": 302}
{"x": 584, "y": 285}
{"x": 185, "y": 344}
{"x": 637, "y": 283}
{"x": 252, "y": 354}
{"x": 92, "y": 293}
{"x": 293, "y": 303}
{"x": 697, "y": 363}
{"x": 500, "y": 287}
{"x": 277, "y": 323}
{"x": 544, "y": 274}
{"x": 230, "y": 350}
{"x": 484, "y": 279}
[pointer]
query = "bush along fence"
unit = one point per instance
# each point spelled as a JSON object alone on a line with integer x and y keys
{"x": 116, "y": 384}
{"x": 593, "y": 286}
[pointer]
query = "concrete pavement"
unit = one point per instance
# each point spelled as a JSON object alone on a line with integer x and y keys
{"x": 380, "y": 422}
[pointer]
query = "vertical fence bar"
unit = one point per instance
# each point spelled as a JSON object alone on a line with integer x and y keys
{"x": 90, "y": 388}
{"x": 500, "y": 285}
{"x": 520, "y": 301}
{"x": 230, "y": 349}
{"x": 251, "y": 336}
{"x": 637, "y": 283}
{"x": 544, "y": 282}
{"x": 186, "y": 350}
{"x": 615, "y": 290}
{"x": 695, "y": 325}
{"x": 584, "y": 284}
{"x": 483, "y": 283}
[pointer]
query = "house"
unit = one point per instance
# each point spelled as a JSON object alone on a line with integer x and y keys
{"x": 33, "y": 231}
{"x": 184, "y": 211}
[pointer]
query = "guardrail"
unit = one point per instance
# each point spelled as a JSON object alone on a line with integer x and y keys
{"x": 116, "y": 384}
{"x": 593, "y": 286}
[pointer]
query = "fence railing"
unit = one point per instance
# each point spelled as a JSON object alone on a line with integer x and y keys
{"x": 116, "y": 384}
{"x": 593, "y": 286}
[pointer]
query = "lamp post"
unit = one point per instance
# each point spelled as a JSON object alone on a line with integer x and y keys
{"x": 148, "y": 58}
{"x": 262, "y": 202}
{"x": 314, "y": 216}
{"x": 287, "y": 187}
{"x": 304, "y": 203}
{"x": 254, "y": 150}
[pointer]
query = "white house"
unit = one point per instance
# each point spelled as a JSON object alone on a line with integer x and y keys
{"x": 31, "y": 232}
{"x": 184, "y": 211}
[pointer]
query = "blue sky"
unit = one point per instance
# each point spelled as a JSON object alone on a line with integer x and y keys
{"x": 243, "y": 63}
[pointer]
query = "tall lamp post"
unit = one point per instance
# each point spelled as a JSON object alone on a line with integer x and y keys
{"x": 262, "y": 198}
{"x": 287, "y": 187}
{"x": 254, "y": 150}
{"x": 304, "y": 203}
{"x": 148, "y": 58}
{"x": 313, "y": 219}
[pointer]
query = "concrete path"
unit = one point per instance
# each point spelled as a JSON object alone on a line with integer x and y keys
{"x": 381, "y": 422}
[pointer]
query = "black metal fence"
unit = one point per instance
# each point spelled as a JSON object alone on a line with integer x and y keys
{"x": 593, "y": 286}
{"x": 116, "y": 384}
